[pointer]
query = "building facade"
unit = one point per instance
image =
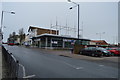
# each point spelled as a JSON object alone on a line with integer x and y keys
{"x": 46, "y": 38}
{"x": 35, "y": 31}
{"x": 56, "y": 42}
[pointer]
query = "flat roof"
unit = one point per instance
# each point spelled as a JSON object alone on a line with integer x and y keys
{"x": 36, "y": 27}
{"x": 58, "y": 36}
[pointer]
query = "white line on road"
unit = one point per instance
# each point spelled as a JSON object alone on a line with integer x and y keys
{"x": 30, "y": 76}
{"x": 73, "y": 66}
{"x": 70, "y": 65}
{"x": 24, "y": 74}
{"x": 101, "y": 65}
{"x": 23, "y": 70}
{"x": 79, "y": 68}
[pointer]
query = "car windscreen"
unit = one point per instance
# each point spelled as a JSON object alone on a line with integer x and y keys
{"x": 103, "y": 49}
{"x": 89, "y": 48}
{"x": 117, "y": 49}
{"x": 109, "y": 48}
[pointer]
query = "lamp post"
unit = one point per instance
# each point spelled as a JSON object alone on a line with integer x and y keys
{"x": 76, "y": 5}
{"x": 12, "y": 12}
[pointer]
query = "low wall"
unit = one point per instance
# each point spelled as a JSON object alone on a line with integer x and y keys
{"x": 11, "y": 65}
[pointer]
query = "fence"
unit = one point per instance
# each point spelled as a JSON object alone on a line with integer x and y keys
{"x": 12, "y": 64}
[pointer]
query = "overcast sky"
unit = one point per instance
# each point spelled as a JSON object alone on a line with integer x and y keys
{"x": 97, "y": 17}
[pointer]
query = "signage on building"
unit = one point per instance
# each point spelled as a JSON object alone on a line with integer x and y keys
{"x": 54, "y": 42}
{"x": 72, "y": 42}
{"x": 67, "y": 40}
{"x": 37, "y": 40}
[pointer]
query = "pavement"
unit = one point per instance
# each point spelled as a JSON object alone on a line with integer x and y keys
{"x": 0, "y": 62}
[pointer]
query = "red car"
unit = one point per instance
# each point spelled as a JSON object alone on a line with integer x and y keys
{"x": 114, "y": 51}
{"x": 11, "y": 44}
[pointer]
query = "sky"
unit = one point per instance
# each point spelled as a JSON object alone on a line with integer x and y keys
{"x": 118, "y": 23}
{"x": 95, "y": 17}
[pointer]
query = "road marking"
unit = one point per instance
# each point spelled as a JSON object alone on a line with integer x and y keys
{"x": 73, "y": 66}
{"x": 70, "y": 65}
{"x": 101, "y": 65}
{"x": 24, "y": 74}
{"x": 23, "y": 70}
{"x": 79, "y": 68}
{"x": 30, "y": 76}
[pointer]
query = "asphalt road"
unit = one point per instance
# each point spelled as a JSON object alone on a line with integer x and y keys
{"x": 36, "y": 64}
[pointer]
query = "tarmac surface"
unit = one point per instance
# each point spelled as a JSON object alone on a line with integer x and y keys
{"x": 108, "y": 61}
{"x": 43, "y": 63}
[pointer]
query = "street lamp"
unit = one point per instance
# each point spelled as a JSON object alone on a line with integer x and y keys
{"x": 12, "y": 12}
{"x": 76, "y": 5}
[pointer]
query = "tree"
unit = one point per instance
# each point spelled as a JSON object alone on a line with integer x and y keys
{"x": 14, "y": 36}
{"x": 21, "y": 31}
{"x": 21, "y": 35}
{"x": 10, "y": 35}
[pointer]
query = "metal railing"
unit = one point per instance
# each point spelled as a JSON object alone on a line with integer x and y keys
{"x": 12, "y": 65}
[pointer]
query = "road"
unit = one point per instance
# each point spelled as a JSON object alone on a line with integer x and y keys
{"x": 36, "y": 64}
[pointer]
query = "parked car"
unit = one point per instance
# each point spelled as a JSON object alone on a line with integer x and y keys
{"x": 17, "y": 44}
{"x": 114, "y": 51}
{"x": 95, "y": 51}
{"x": 105, "y": 52}
{"x": 11, "y": 44}
{"x": 4, "y": 42}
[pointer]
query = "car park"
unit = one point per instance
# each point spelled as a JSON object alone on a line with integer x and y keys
{"x": 95, "y": 51}
{"x": 4, "y": 42}
{"x": 114, "y": 51}
{"x": 11, "y": 44}
{"x": 104, "y": 51}
{"x": 91, "y": 51}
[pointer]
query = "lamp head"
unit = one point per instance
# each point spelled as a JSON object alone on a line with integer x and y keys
{"x": 12, "y": 12}
{"x": 70, "y": 8}
{"x": 69, "y": 0}
{"x": 103, "y": 32}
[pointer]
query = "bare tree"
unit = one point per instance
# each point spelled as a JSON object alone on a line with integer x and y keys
{"x": 21, "y": 35}
{"x": 13, "y": 34}
{"x": 21, "y": 31}
{"x": 10, "y": 35}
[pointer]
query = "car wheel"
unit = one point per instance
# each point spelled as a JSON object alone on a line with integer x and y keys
{"x": 80, "y": 53}
{"x": 115, "y": 54}
{"x": 93, "y": 54}
{"x": 102, "y": 54}
{"x": 112, "y": 54}
{"x": 98, "y": 55}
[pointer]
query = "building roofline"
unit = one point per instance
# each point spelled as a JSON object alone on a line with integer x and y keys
{"x": 36, "y": 27}
{"x": 52, "y": 35}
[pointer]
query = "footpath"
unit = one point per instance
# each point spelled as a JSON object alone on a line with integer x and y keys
{"x": 0, "y": 62}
